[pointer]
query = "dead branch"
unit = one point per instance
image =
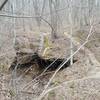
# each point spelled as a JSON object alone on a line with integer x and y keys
{"x": 3, "y": 4}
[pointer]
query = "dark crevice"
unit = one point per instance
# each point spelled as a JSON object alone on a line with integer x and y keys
{"x": 41, "y": 62}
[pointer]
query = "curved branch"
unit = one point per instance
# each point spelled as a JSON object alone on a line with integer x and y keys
{"x": 21, "y": 17}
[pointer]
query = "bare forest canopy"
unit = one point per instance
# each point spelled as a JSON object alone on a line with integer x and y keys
{"x": 27, "y": 15}
{"x": 45, "y": 16}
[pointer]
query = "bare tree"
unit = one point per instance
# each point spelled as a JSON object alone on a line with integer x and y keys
{"x": 37, "y": 11}
{"x": 53, "y": 18}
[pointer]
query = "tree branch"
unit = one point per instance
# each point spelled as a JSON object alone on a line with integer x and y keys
{"x": 3, "y": 4}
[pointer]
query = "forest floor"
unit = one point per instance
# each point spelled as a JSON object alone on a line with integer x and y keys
{"x": 81, "y": 81}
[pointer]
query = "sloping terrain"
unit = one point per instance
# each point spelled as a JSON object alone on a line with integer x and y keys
{"x": 77, "y": 82}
